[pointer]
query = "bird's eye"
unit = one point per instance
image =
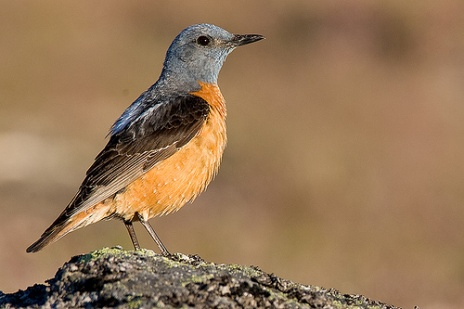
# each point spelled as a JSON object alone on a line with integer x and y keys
{"x": 203, "y": 40}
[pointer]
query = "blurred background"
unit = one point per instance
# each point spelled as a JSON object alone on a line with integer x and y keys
{"x": 345, "y": 161}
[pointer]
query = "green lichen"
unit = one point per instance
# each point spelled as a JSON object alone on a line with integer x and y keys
{"x": 134, "y": 301}
{"x": 113, "y": 277}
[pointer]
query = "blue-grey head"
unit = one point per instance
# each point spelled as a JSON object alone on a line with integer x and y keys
{"x": 198, "y": 53}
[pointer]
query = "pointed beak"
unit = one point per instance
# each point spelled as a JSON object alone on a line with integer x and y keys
{"x": 243, "y": 39}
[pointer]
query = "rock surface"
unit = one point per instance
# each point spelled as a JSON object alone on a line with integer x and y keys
{"x": 142, "y": 279}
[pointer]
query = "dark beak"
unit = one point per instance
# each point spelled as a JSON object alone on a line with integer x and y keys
{"x": 243, "y": 39}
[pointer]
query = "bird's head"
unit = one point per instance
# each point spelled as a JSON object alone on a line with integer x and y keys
{"x": 199, "y": 51}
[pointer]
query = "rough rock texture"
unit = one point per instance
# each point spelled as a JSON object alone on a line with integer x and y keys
{"x": 142, "y": 279}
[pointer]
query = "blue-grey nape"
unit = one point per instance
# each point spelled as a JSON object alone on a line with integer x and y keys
{"x": 187, "y": 61}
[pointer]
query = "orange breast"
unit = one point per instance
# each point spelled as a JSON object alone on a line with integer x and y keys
{"x": 172, "y": 183}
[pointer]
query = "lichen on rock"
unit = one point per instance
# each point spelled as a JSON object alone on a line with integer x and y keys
{"x": 112, "y": 277}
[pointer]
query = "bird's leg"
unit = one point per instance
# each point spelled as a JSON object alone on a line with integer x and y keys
{"x": 130, "y": 229}
{"x": 153, "y": 235}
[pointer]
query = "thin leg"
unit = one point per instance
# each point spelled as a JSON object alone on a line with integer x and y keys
{"x": 153, "y": 235}
{"x": 130, "y": 229}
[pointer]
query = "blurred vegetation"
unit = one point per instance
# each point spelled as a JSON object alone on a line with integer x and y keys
{"x": 345, "y": 160}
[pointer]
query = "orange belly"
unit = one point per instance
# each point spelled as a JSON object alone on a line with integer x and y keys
{"x": 173, "y": 182}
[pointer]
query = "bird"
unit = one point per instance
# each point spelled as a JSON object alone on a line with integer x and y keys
{"x": 165, "y": 148}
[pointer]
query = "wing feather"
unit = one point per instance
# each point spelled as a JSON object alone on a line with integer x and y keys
{"x": 154, "y": 136}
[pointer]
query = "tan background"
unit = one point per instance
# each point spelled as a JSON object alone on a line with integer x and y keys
{"x": 345, "y": 166}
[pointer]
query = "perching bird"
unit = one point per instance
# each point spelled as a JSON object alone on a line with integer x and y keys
{"x": 165, "y": 148}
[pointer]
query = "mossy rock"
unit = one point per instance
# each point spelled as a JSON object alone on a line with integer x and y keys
{"x": 114, "y": 278}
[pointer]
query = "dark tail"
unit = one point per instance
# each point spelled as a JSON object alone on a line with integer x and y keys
{"x": 62, "y": 226}
{"x": 49, "y": 236}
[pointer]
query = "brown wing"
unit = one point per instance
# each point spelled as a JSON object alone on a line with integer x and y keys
{"x": 154, "y": 136}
